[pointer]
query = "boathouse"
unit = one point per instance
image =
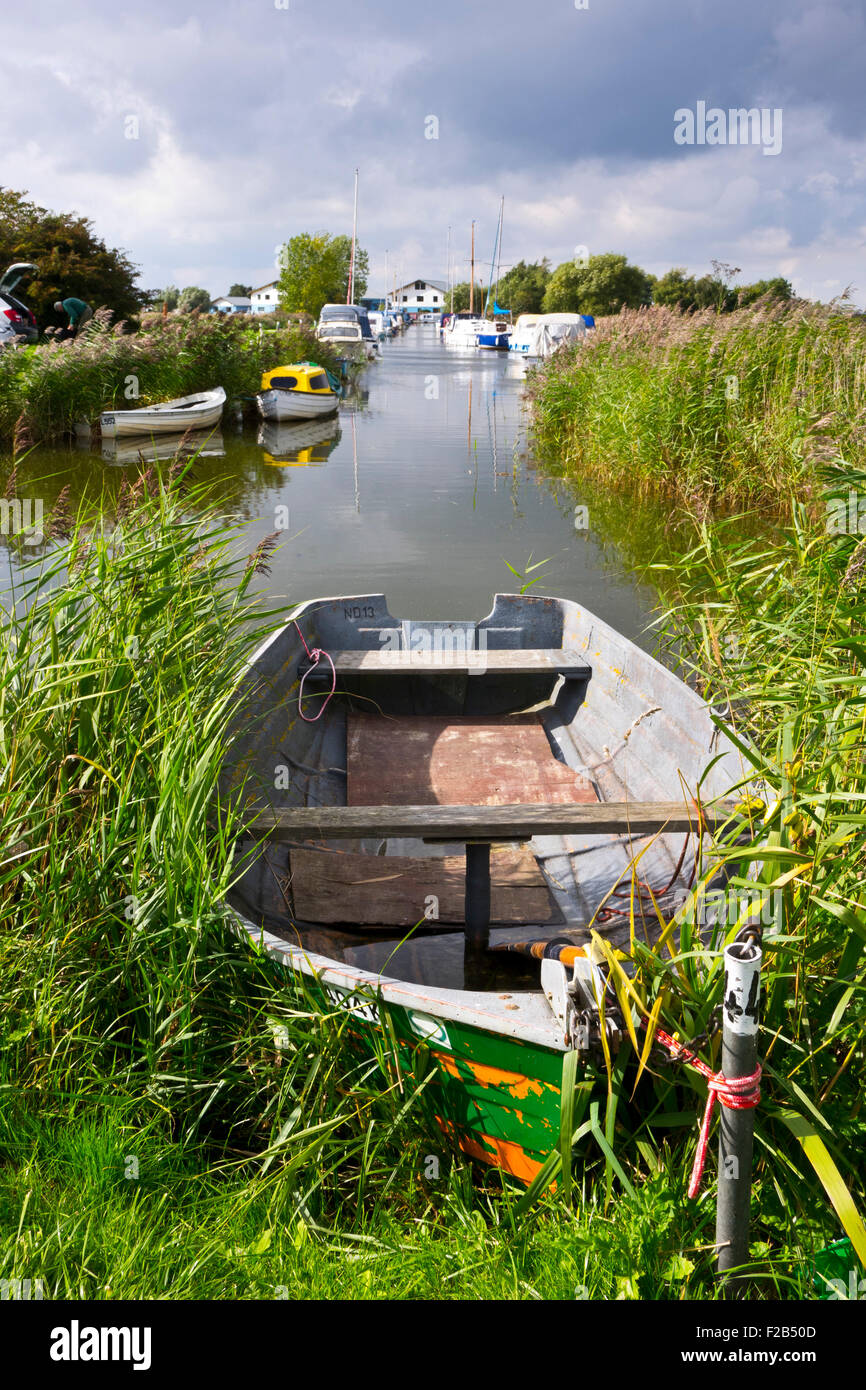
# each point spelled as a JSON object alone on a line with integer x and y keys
{"x": 420, "y": 297}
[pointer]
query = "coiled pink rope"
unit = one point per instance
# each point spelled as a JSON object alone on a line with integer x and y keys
{"x": 315, "y": 656}
{"x": 735, "y": 1093}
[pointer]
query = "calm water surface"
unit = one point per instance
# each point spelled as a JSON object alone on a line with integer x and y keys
{"x": 423, "y": 489}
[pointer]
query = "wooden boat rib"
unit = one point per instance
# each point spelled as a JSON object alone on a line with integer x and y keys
{"x": 199, "y": 411}
{"x": 538, "y": 724}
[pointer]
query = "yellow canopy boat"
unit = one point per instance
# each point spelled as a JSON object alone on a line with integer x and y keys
{"x": 299, "y": 391}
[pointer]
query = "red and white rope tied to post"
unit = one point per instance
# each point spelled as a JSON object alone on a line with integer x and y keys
{"x": 315, "y": 656}
{"x": 734, "y": 1093}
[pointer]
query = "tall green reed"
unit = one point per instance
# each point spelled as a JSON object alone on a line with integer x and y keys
{"x": 773, "y": 633}
{"x": 711, "y": 407}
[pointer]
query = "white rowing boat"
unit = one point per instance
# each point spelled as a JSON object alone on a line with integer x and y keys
{"x": 200, "y": 411}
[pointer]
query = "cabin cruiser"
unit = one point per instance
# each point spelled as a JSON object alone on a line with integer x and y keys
{"x": 462, "y": 330}
{"x": 299, "y": 391}
{"x": 523, "y": 333}
{"x": 494, "y": 333}
{"x": 552, "y": 330}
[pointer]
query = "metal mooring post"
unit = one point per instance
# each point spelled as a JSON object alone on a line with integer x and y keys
{"x": 736, "y": 1127}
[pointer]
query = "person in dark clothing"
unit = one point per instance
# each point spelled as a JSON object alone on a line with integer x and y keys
{"x": 78, "y": 314}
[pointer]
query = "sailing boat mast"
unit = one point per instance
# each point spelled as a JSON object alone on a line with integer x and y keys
{"x": 497, "y": 252}
{"x": 448, "y": 266}
{"x": 472, "y": 274}
{"x": 351, "y": 289}
{"x": 499, "y": 258}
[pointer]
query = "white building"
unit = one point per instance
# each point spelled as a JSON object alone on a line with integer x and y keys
{"x": 420, "y": 297}
{"x": 231, "y": 304}
{"x": 266, "y": 298}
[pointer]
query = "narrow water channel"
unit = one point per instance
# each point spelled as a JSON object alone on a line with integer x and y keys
{"x": 424, "y": 488}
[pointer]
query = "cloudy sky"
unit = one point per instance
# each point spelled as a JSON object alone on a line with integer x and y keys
{"x": 251, "y": 116}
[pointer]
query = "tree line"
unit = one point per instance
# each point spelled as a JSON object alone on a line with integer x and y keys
{"x": 606, "y": 283}
{"x": 314, "y": 270}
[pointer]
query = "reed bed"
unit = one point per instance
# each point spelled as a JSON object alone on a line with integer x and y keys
{"x": 772, "y": 630}
{"x": 45, "y": 391}
{"x": 733, "y": 408}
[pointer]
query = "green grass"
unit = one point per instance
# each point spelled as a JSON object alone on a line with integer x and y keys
{"x": 732, "y": 407}
{"x": 46, "y": 390}
{"x": 270, "y": 1153}
{"x": 77, "y": 1213}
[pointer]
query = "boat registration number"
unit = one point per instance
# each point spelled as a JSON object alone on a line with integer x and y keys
{"x": 356, "y": 611}
{"x": 355, "y": 1004}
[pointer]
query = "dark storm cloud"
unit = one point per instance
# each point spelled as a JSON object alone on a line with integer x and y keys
{"x": 252, "y": 117}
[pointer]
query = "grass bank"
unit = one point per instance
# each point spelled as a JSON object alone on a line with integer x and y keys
{"x": 714, "y": 408}
{"x": 178, "y": 1120}
{"x": 45, "y": 390}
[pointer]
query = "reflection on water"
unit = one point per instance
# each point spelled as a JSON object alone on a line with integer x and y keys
{"x": 205, "y": 443}
{"x": 298, "y": 443}
{"x": 427, "y": 490}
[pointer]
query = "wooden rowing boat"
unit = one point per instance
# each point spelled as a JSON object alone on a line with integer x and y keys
{"x": 199, "y": 411}
{"x": 484, "y": 788}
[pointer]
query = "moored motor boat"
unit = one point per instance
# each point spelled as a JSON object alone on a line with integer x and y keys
{"x": 199, "y": 411}
{"x": 551, "y": 331}
{"x": 299, "y": 391}
{"x": 523, "y": 333}
{"x": 538, "y": 742}
{"x": 462, "y": 330}
{"x": 493, "y": 334}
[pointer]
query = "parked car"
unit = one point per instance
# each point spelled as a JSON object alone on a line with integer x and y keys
{"x": 16, "y": 319}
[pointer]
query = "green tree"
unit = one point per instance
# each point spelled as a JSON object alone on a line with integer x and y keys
{"x": 675, "y": 289}
{"x": 72, "y": 260}
{"x": 461, "y": 298}
{"x": 193, "y": 297}
{"x": 315, "y": 271}
{"x": 156, "y": 298}
{"x": 777, "y": 288}
{"x": 522, "y": 289}
{"x": 241, "y": 291}
{"x": 603, "y": 286}
{"x": 679, "y": 290}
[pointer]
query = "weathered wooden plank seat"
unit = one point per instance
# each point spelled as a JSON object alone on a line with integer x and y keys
{"x": 385, "y": 661}
{"x": 478, "y": 826}
{"x": 483, "y": 822}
